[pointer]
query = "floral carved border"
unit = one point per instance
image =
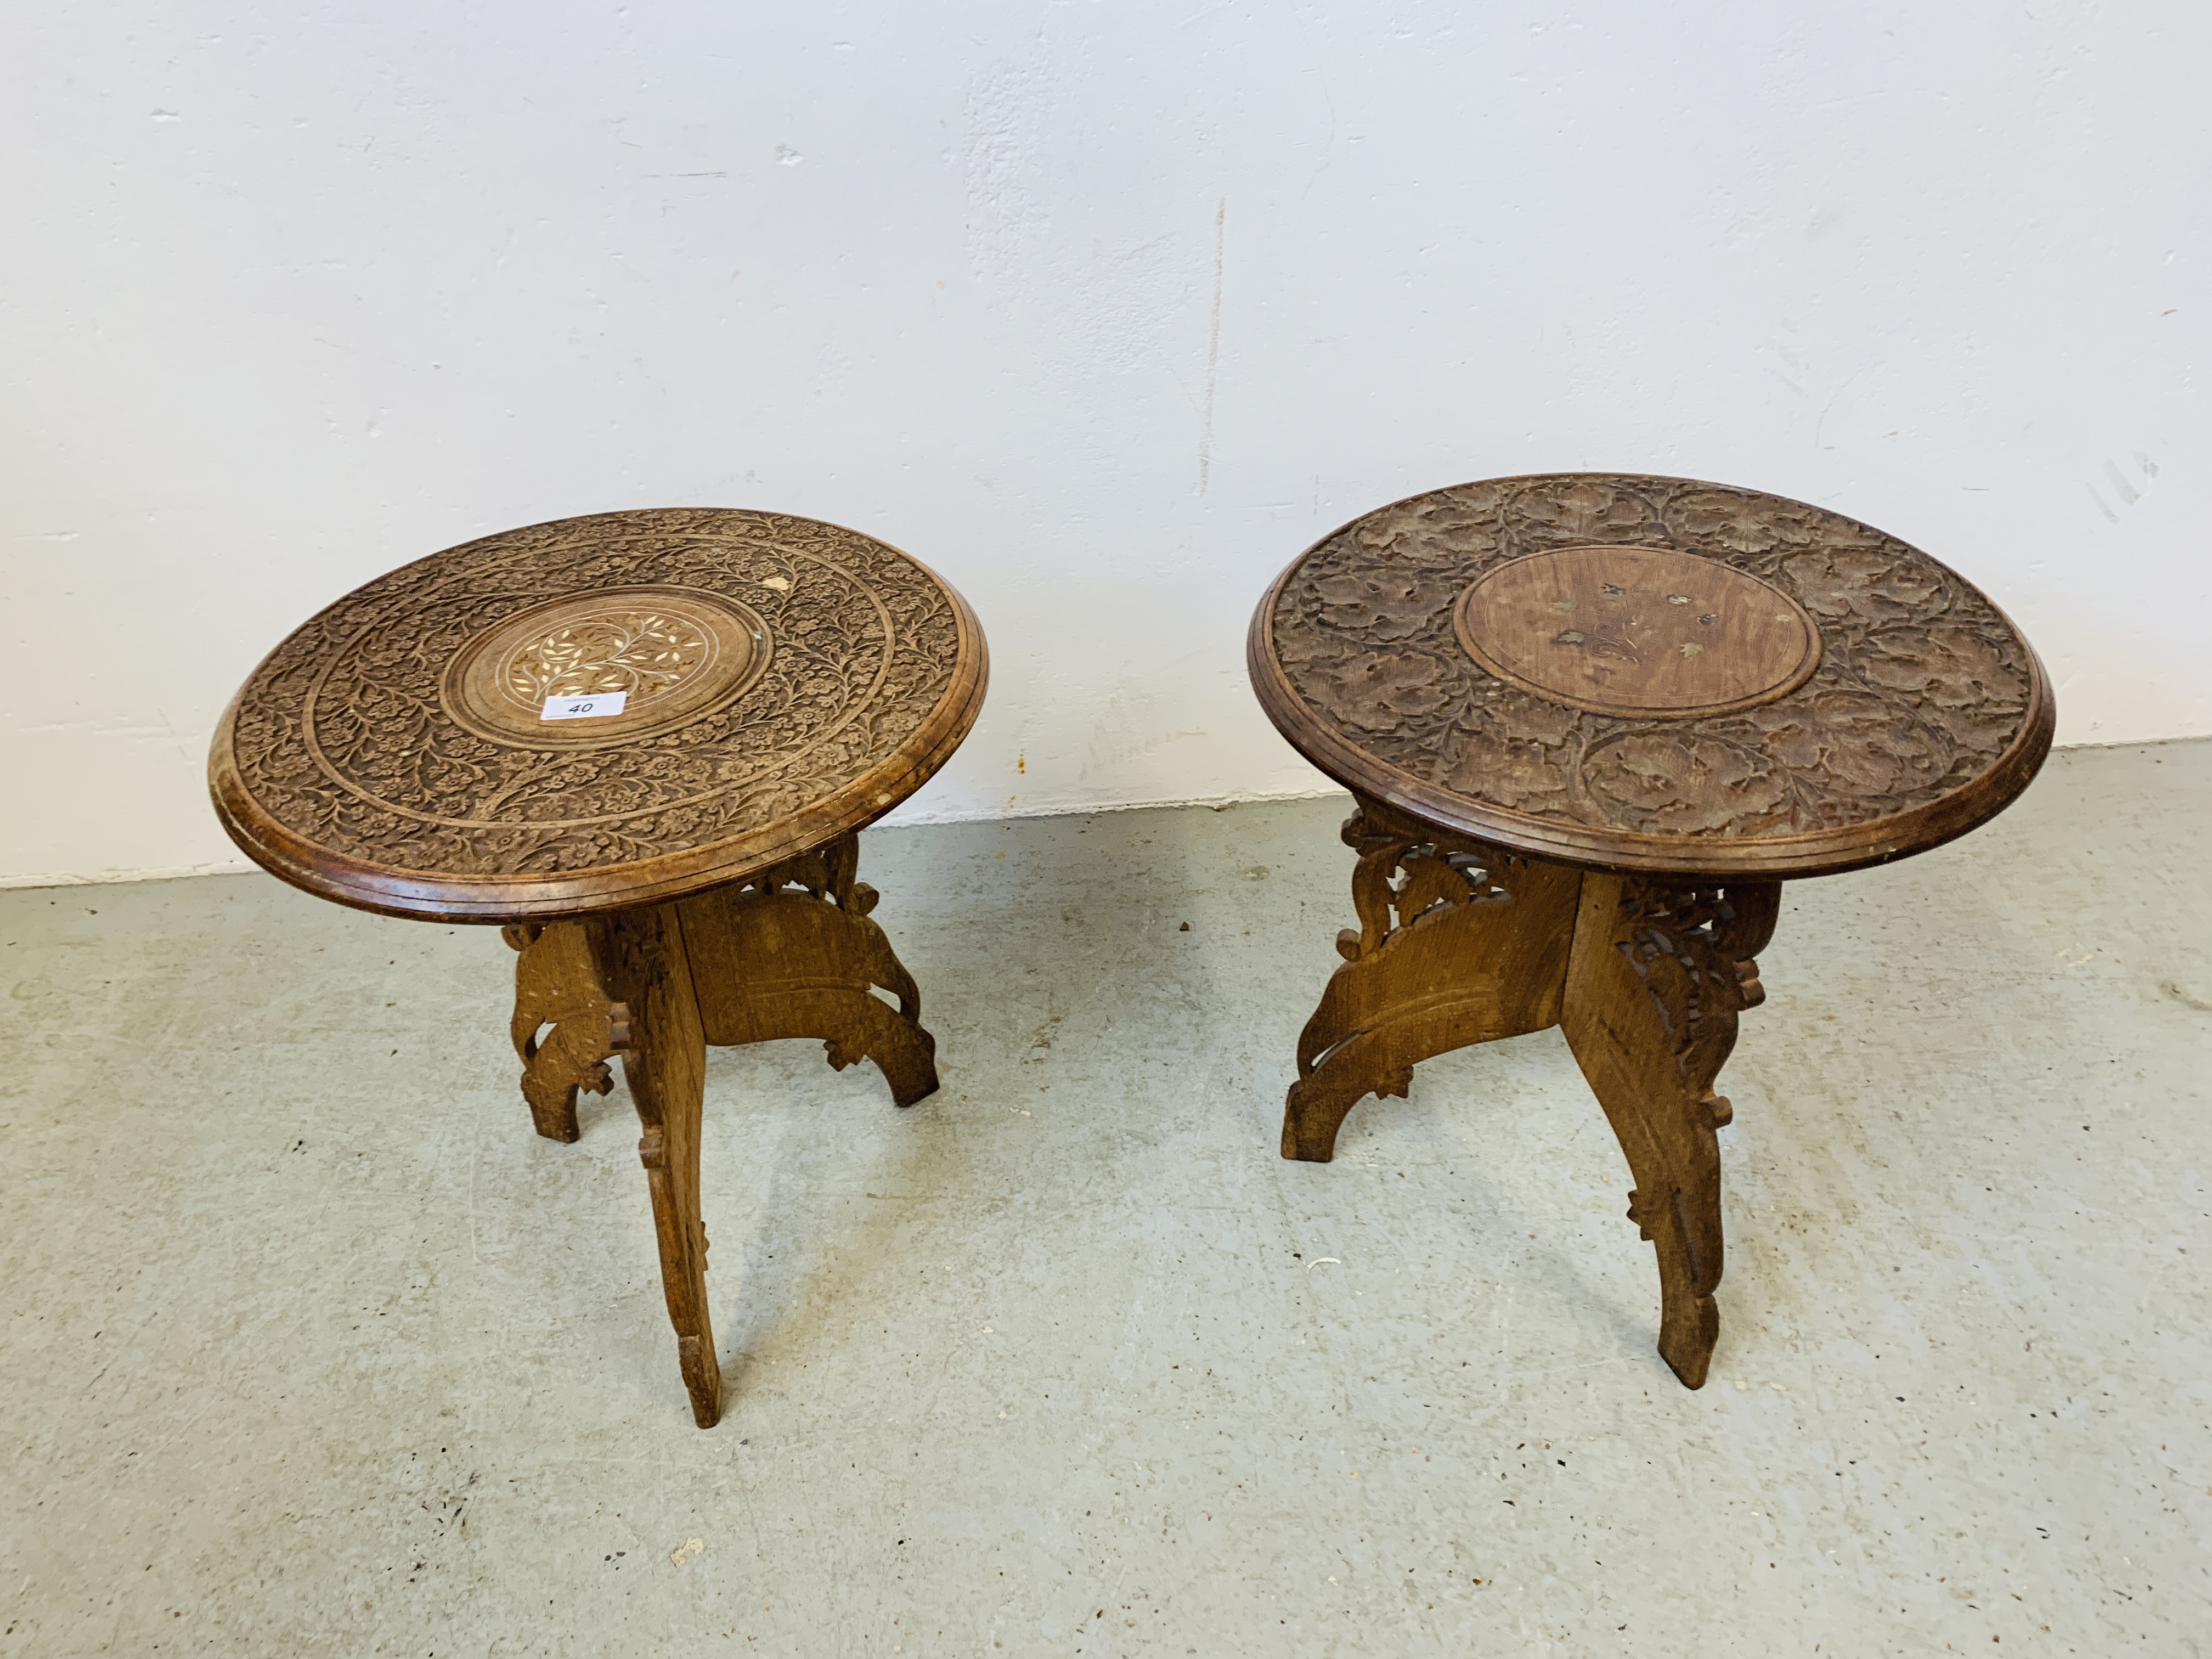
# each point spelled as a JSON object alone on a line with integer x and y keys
{"x": 1922, "y": 688}
{"x": 342, "y": 738}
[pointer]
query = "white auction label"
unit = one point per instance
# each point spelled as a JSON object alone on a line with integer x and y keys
{"x": 597, "y": 707}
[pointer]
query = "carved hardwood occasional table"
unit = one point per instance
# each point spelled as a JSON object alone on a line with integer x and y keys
{"x": 1592, "y": 722}
{"x": 646, "y": 743}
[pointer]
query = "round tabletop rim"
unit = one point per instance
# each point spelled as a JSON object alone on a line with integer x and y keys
{"x": 1775, "y": 857}
{"x": 491, "y": 900}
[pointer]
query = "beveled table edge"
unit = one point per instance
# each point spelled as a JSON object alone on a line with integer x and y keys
{"x": 431, "y": 895}
{"x": 1777, "y": 858}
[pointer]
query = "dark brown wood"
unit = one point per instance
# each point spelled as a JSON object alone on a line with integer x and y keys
{"x": 1592, "y": 720}
{"x": 679, "y": 874}
{"x": 386, "y": 755}
{"x": 1926, "y": 714}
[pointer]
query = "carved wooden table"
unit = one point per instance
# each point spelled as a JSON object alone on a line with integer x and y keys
{"x": 678, "y": 873}
{"x": 1592, "y": 723}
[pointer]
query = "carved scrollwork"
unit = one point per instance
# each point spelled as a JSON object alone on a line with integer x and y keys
{"x": 1660, "y": 971}
{"x": 557, "y": 985}
{"x": 1921, "y": 689}
{"x": 1459, "y": 942}
{"x": 1407, "y": 869}
{"x": 793, "y": 952}
{"x": 827, "y": 873}
{"x": 1693, "y": 951}
{"x": 346, "y": 737}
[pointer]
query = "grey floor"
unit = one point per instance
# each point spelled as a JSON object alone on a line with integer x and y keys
{"x": 312, "y": 1347}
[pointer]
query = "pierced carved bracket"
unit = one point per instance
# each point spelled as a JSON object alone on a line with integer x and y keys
{"x": 1694, "y": 949}
{"x": 790, "y": 951}
{"x": 1406, "y": 870}
{"x": 557, "y": 985}
{"x": 1459, "y": 942}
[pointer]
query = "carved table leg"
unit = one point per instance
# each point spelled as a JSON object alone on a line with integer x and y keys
{"x": 1659, "y": 970}
{"x": 555, "y": 985}
{"x": 793, "y": 953}
{"x": 642, "y": 962}
{"x": 1458, "y": 943}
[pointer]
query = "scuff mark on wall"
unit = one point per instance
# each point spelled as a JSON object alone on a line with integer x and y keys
{"x": 1135, "y": 723}
{"x": 2128, "y": 493}
{"x": 1008, "y": 107}
{"x": 1106, "y": 306}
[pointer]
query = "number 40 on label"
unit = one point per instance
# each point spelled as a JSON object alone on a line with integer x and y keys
{"x": 598, "y": 706}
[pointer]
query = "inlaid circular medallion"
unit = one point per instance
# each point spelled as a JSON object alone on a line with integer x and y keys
{"x": 1638, "y": 631}
{"x": 1665, "y": 675}
{"x": 782, "y": 683}
{"x": 672, "y": 652}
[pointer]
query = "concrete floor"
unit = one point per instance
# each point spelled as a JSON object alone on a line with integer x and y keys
{"x": 312, "y": 1347}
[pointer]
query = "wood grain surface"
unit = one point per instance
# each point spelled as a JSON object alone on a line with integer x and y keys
{"x": 789, "y": 682}
{"x": 1640, "y": 631}
{"x": 1462, "y": 942}
{"x": 790, "y": 951}
{"x": 1924, "y": 715}
{"x": 642, "y": 967}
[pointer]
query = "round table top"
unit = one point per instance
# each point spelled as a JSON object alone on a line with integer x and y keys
{"x": 752, "y": 684}
{"x": 1651, "y": 674}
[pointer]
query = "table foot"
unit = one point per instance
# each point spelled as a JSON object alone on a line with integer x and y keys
{"x": 793, "y": 953}
{"x": 1659, "y": 972}
{"x": 1458, "y": 941}
{"x": 643, "y": 962}
{"x": 556, "y": 986}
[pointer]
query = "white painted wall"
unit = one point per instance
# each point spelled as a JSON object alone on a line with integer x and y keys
{"x": 1104, "y": 309}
